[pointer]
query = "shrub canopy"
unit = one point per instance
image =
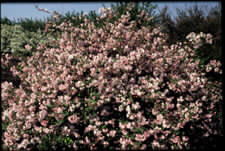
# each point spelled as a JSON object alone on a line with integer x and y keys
{"x": 120, "y": 86}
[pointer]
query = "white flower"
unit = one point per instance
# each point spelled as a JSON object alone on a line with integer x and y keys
{"x": 204, "y": 98}
{"x": 136, "y": 106}
{"x": 59, "y": 110}
{"x": 72, "y": 107}
{"x": 180, "y": 99}
{"x": 24, "y": 144}
{"x": 155, "y": 144}
{"x": 165, "y": 124}
{"x": 159, "y": 119}
{"x": 128, "y": 125}
{"x": 70, "y": 57}
{"x": 128, "y": 109}
{"x": 216, "y": 69}
{"x": 208, "y": 68}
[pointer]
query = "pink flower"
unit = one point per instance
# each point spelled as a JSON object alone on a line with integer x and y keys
{"x": 159, "y": 119}
{"x": 42, "y": 114}
{"x": 62, "y": 87}
{"x": 44, "y": 123}
{"x": 128, "y": 35}
{"x": 143, "y": 147}
{"x": 27, "y": 125}
{"x": 46, "y": 130}
{"x": 128, "y": 125}
{"x": 147, "y": 134}
{"x": 122, "y": 126}
{"x": 88, "y": 129}
{"x": 28, "y": 47}
{"x": 25, "y": 135}
{"x": 105, "y": 113}
{"x": 76, "y": 134}
{"x": 24, "y": 144}
{"x": 25, "y": 69}
{"x": 140, "y": 138}
{"x": 154, "y": 112}
{"x": 112, "y": 133}
{"x": 62, "y": 43}
{"x": 176, "y": 139}
{"x": 73, "y": 119}
{"x": 185, "y": 138}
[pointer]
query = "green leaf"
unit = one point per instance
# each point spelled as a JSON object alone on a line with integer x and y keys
{"x": 138, "y": 130}
{"x": 91, "y": 101}
{"x": 60, "y": 122}
{"x": 104, "y": 126}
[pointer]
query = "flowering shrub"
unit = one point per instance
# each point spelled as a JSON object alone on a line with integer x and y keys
{"x": 115, "y": 87}
{"x": 214, "y": 65}
{"x": 197, "y": 40}
{"x": 201, "y": 42}
{"x": 7, "y": 61}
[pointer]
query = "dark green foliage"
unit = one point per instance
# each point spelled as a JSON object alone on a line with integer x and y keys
{"x": 195, "y": 19}
{"x": 72, "y": 17}
{"x": 6, "y": 21}
{"x": 48, "y": 141}
{"x": 167, "y": 25}
{"x": 26, "y": 23}
{"x": 31, "y": 25}
{"x": 92, "y": 16}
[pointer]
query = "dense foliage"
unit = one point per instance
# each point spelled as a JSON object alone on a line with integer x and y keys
{"x": 15, "y": 40}
{"x": 27, "y": 24}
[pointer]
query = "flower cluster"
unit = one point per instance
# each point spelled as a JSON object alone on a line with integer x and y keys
{"x": 196, "y": 39}
{"x": 213, "y": 64}
{"x": 115, "y": 87}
